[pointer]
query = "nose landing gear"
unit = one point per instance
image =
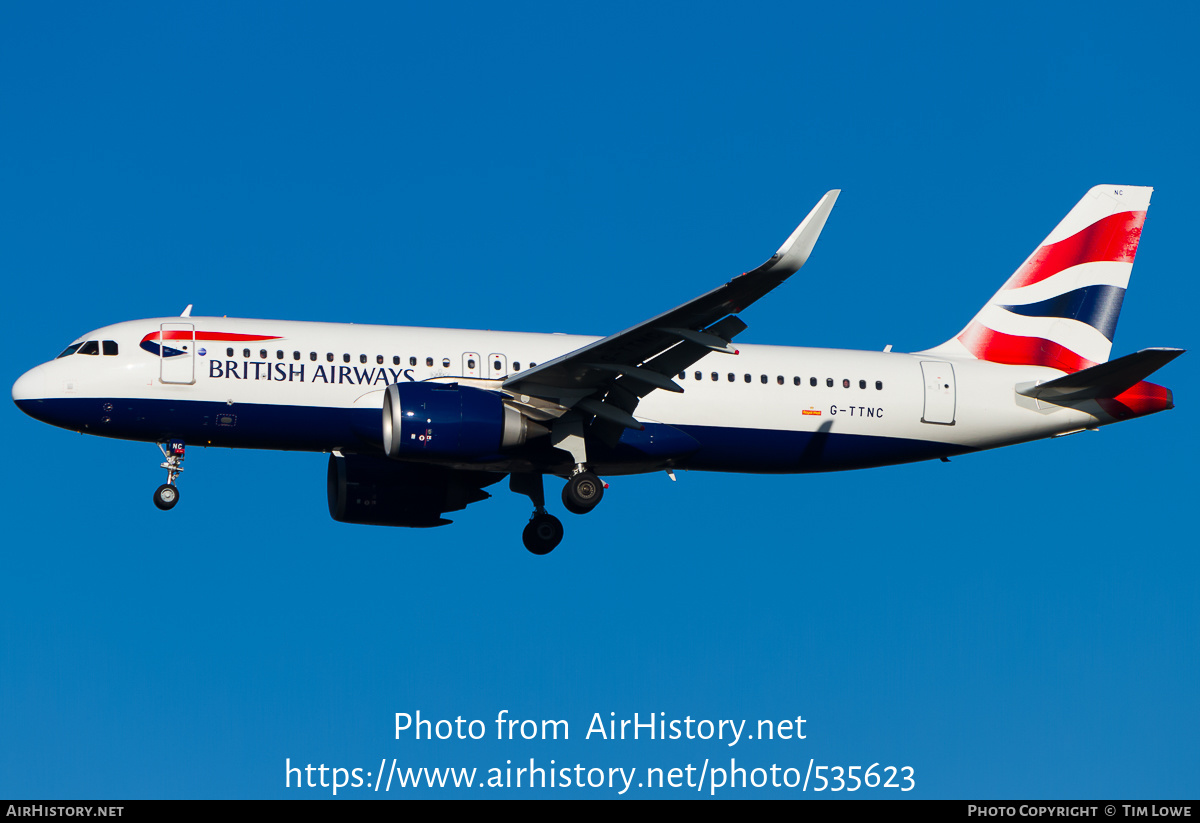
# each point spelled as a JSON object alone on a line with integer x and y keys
{"x": 167, "y": 495}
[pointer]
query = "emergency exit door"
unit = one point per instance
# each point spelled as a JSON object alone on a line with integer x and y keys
{"x": 497, "y": 366}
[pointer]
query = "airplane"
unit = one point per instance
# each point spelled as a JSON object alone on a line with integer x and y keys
{"x": 419, "y": 421}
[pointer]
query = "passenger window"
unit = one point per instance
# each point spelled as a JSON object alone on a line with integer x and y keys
{"x": 732, "y": 377}
{"x": 262, "y": 354}
{"x": 471, "y": 363}
{"x": 495, "y": 365}
{"x": 362, "y": 358}
{"x": 764, "y": 379}
{"x": 779, "y": 379}
{"x": 747, "y": 378}
{"x": 295, "y": 355}
{"x": 533, "y": 365}
{"x": 110, "y": 347}
{"x": 845, "y": 384}
{"x": 516, "y": 365}
{"x": 329, "y": 356}
{"x": 246, "y": 353}
{"x": 879, "y": 385}
{"x": 812, "y": 381}
{"x": 683, "y": 375}
{"x": 796, "y": 381}
{"x": 279, "y": 354}
{"x": 396, "y": 360}
{"x": 715, "y": 377}
{"x": 379, "y": 359}
{"x": 862, "y": 384}
{"x": 312, "y": 355}
{"x": 829, "y": 382}
{"x": 699, "y": 376}
{"x": 429, "y": 362}
{"x": 229, "y": 352}
{"x": 445, "y": 362}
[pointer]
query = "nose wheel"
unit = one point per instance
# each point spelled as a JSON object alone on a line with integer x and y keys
{"x": 167, "y": 495}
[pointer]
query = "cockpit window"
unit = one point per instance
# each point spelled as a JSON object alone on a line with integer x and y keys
{"x": 70, "y": 350}
{"x": 90, "y": 347}
{"x": 110, "y": 347}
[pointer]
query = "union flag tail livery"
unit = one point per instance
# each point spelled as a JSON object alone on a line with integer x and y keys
{"x": 418, "y": 422}
{"x": 1060, "y": 308}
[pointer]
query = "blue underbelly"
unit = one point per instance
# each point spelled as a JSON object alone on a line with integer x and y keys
{"x": 319, "y": 429}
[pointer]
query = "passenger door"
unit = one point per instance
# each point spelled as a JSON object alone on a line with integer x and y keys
{"x": 176, "y": 353}
{"x": 939, "y": 392}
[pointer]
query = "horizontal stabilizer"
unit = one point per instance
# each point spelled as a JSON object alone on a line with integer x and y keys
{"x": 1103, "y": 381}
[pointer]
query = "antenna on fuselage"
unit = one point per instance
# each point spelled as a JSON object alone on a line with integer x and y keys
{"x": 187, "y": 312}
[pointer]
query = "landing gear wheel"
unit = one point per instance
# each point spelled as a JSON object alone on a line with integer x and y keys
{"x": 544, "y": 532}
{"x": 582, "y": 493}
{"x": 166, "y": 496}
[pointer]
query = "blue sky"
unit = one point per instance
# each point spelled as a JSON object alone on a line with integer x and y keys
{"x": 1018, "y": 623}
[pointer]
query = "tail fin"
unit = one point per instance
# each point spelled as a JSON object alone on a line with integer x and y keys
{"x": 1060, "y": 308}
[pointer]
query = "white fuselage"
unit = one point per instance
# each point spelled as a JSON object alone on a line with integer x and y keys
{"x": 308, "y": 376}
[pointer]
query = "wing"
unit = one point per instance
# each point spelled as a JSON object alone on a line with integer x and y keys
{"x": 607, "y": 378}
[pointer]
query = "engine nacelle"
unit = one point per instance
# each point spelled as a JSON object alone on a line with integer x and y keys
{"x": 449, "y": 421}
{"x": 375, "y": 491}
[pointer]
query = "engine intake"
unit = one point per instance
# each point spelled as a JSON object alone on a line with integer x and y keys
{"x": 450, "y": 421}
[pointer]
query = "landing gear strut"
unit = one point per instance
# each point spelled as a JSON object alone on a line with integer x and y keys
{"x": 584, "y": 489}
{"x": 167, "y": 495}
{"x": 545, "y": 531}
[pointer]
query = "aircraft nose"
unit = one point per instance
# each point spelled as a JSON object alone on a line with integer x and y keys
{"x": 29, "y": 388}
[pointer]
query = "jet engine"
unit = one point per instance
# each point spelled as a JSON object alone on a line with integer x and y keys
{"x": 375, "y": 491}
{"x": 450, "y": 421}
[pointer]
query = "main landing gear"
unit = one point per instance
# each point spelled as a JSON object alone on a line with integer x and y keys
{"x": 545, "y": 531}
{"x": 582, "y": 492}
{"x": 167, "y": 495}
